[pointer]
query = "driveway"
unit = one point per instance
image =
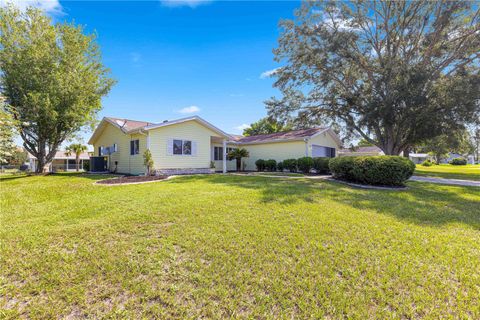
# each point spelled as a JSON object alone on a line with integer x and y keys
{"x": 457, "y": 182}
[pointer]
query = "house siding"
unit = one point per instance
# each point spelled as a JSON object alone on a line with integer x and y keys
{"x": 280, "y": 151}
{"x": 189, "y": 130}
{"x": 126, "y": 163}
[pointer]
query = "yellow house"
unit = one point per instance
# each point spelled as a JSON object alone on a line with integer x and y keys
{"x": 193, "y": 145}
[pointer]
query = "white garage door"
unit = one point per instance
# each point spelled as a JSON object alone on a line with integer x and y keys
{"x": 320, "y": 151}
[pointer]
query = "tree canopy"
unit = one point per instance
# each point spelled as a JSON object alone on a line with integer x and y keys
{"x": 393, "y": 72}
{"x": 7, "y": 133}
{"x": 265, "y": 126}
{"x": 455, "y": 142}
{"x": 52, "y": 77}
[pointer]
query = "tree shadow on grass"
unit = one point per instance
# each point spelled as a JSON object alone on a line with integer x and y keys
{"x": 280, "y": 190}
{"x": 422, "y": 203}
{"x": 14, "y": 176}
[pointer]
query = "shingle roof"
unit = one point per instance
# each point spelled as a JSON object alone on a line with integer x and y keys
{"x": 287, "y": 135}
{"x": 127, "y": 124}
{"x": 62, "y": 155}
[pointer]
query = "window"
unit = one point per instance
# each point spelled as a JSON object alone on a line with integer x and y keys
{"x": 100, "y": 151}
{"x": 115, "y": 148}
{"x": 187, "y": 147}
{"x": 177, "y": 146}
{"x": 134, "y": 147}
{"x": 182, "y": 147}
{"x": 218, "y": 153}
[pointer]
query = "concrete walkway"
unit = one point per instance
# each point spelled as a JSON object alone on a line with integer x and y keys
{"x": 457, "y": 182}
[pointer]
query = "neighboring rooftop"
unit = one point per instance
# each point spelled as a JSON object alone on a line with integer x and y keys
{"x": 62, "y": 155}
{"x": 369, "y": 149}
{"x": 287, "y": 135}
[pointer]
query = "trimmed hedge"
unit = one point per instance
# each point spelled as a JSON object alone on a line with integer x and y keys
{"x": 271, "y": 165}
{"x": 305, "y": 164}
{"x": 290, "y": 164}
{"x": 375, "y": 170}
{"x": 280, "y": 166}
{"x": 458, "y": 162}
{"x": 260, "y": 163}
{"x": 427, "y": 163}
{"x": 320, "y": 165}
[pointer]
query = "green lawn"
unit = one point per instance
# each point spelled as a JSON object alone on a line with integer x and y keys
{"x": 237, "y": 247}
{"x": 467, "y": 172}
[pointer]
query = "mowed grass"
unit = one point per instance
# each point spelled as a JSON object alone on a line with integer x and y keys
{"x": 237, "y": 246}
{"x": 448, "y": 171}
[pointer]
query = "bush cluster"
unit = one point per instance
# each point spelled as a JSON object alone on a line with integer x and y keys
{"x": 260, "y": 163}
{"x": 427, "y": 163}
{"x": 305, "y": 164}
{"x": 320, "y": 165}
{"x": 458, "y": 161}
{"x": 271, "y": 165}
{"x": 290, "y": 164}
{"x": 377, "y": 170}
{"x": 280, "y": 166}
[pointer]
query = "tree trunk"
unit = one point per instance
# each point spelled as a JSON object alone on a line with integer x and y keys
{"x": 41, "y": 160}
{"x": 77, "y": 160}
{"x": 239, "y": 164}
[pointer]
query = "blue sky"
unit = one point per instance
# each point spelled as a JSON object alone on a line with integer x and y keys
{"x": 175, "y": 59}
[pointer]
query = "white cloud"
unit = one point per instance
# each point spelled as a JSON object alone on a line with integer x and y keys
{"x": 184, "y": 3}
{"x": 51, "y": 7}
{"x": 191, "y": 109}
{"x": 268, "y": 73}
{"x": 241, "y": 127}
{"x": 136, "y": 57}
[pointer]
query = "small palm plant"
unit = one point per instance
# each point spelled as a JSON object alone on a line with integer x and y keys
{"x": 148, "y": 161}
{"x": 238, "y": 154}
{"x": 78, "y": 149}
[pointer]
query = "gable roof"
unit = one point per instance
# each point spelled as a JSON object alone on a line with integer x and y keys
{"x": 132, "y": 126}
{"x": 126, "y": 124}
{"x": 293, "y": 135}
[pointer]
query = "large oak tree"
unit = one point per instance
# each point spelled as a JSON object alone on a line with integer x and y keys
{"x": 52, "y": 77}
{"x": 393, "y": 72}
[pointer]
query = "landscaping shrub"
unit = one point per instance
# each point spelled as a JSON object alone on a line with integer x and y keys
{"x": 290, "y": 164}
{"x": 260, "y": 163}
{"x": 320, "y": 165}
{"x": 305, "y": 164}
{"x": 86, "y": 165}
{"x": 271, "y": 165}
{"x": 427, "y": 163}
{"x": 280, "y": 166}
{"x": 458, "y": 161}
{"x": 377, "y": 170}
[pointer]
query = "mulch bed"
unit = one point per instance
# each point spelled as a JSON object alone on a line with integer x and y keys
{"x": 131, "y": 179}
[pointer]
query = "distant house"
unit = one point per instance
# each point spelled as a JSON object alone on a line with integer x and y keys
{"x": 193, "y": 145}
{"x": 451, "y": 156}
{"x": 418, "y": 158}
{"x": 362, "y": 151}
{"x": 60, "y": 162}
